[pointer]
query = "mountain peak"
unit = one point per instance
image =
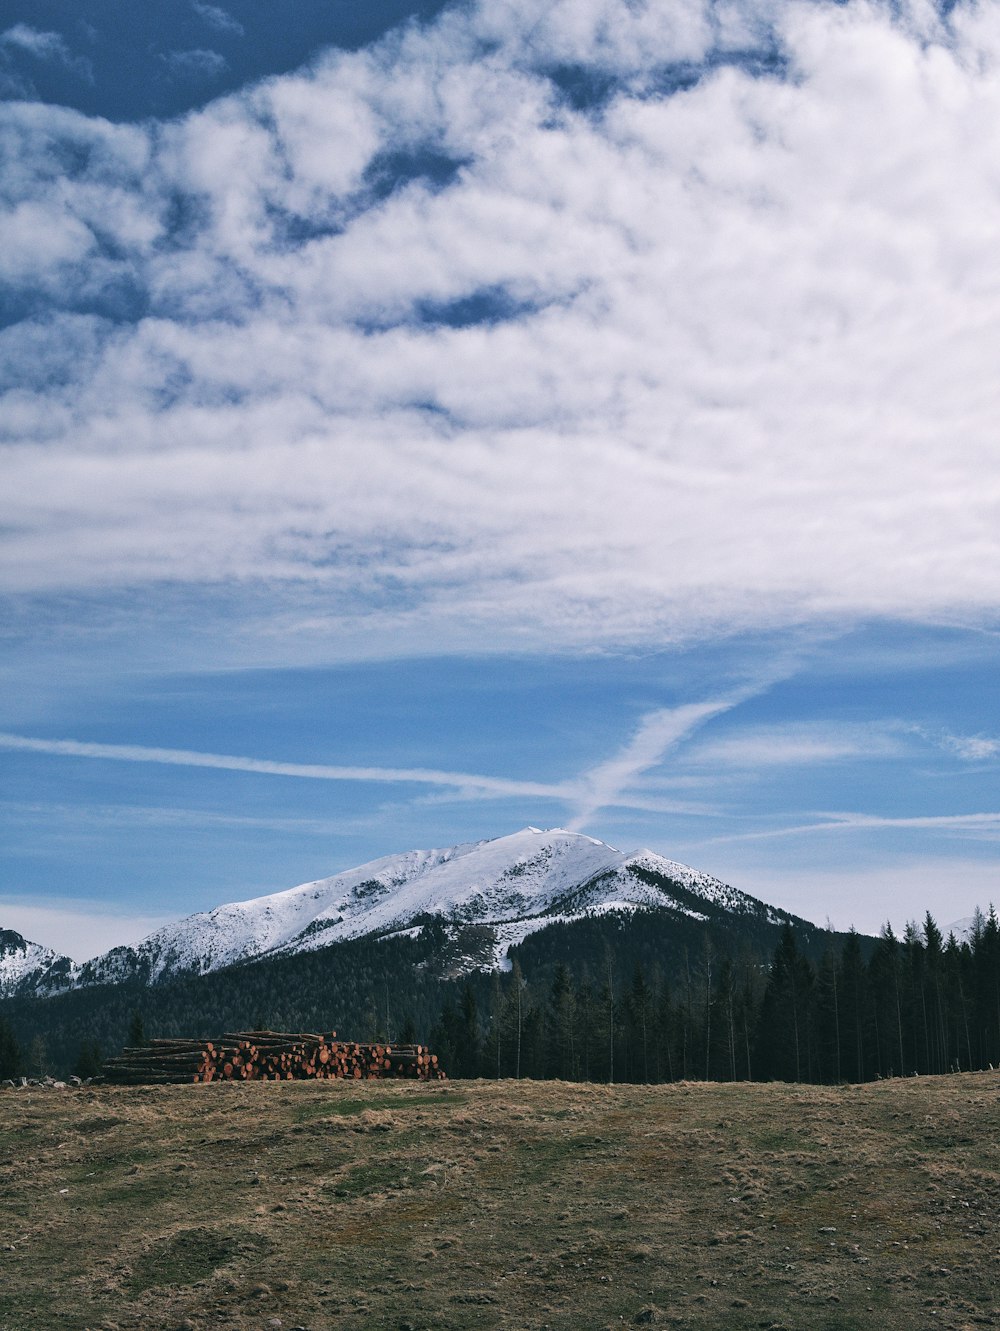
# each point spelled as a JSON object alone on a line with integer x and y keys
{"x": 27, "y": 967}
{"x": 507, "y": 887}
{"x": 558, "y": 832}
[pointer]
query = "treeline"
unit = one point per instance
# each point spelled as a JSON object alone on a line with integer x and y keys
{"x": 364, "y": 988}
{"x": 922, "y": 1004}
{"x": 912, "y": 1005}
{"x": 373, "y": 988}
{"x": 645, "y": 997}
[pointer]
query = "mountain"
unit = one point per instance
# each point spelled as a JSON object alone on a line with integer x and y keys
{"x": 488, "y": 896}
{"x": 28, "y": 968}
{"x": 503, "y": 940}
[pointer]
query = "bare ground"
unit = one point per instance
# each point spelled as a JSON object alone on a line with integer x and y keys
{"x": 511, "y": 1205}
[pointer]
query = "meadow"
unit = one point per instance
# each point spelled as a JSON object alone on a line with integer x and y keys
{"x": 506, "y": 1204}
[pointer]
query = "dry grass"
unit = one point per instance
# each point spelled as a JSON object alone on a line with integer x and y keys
{"x": 518, "y": 1205}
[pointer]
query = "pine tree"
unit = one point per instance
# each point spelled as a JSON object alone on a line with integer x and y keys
{"x": 726, "y": 1003}
{"x": 827, "y": 1019}
{"x": 496, "y": 1021}
{"x": 986, "y": 970}
{"x": 956, "y": 971}
{"x": 38, "y": 1056}
{"x": 705, "y": 979}
{"x": 885, "y": 985}
{"x": 933, "y": 953}
{"x": 515, "y": 1014}
{"x": 608, "y": 1002}
{"x": 469, "y": 1034}
{"x": 915, "y": 975}
{"x": 640, "y": 1005}
{"x": 136, "y": 1030}
{"x": 88, "y": 1061}
{"x": 666, "y": 1033}
{"x": 11, "y": 1057}
{"x": 854, "y": 1008}
{"x": 585, "y": 1007}
{"x": 446, "y": 1038}
{"x": 562, "y": 1057}
{"x": 783, "y": 1030}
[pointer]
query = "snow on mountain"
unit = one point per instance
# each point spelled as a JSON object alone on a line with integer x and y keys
{"x": 30, "y": 968}
{"x": 474, "y": 882}
{"x": 963, "y": 929}
{"x": 515, "y": 884}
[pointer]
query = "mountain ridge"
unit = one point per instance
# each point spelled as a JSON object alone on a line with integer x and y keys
{"x": 512, "y": 886}
{"x": 27, "y": 967}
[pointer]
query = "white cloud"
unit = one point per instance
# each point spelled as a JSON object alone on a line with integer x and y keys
{"x": 14, "y": 86}
{"x": 140, "y": 815}
{"x": 38, "y": 43}
{"x": 77, "y": 928}
{"x": 868, "y": 895}
{"x": 46, "y": 46}
{"x": 607, "y": 34}
{"x": 798, "y": 744}
{"x": 31, "y": 248}
{"x": 198, "y": 63}
{"x": 748, "y": 378}
{"x": 974, "y": 748}
{"x": 217, "y": 18}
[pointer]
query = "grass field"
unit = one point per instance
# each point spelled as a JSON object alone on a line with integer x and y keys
{"x": 516, "y": 1205}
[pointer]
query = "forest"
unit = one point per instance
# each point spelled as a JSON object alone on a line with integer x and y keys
{"x": 600, "y": 1000}
{"x": 916, "y": 1004}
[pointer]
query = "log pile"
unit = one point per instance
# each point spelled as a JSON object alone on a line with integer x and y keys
{"x": 269, "y": 1056}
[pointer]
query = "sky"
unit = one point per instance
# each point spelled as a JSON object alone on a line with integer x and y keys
{"x": 421, "y": 421}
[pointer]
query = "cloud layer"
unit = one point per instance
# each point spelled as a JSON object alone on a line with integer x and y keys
{"x": 585, "y": 322}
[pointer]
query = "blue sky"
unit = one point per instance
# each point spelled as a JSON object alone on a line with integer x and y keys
{"x": 420, "y": 422}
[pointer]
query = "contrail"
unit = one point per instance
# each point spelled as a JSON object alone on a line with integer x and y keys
{"x": 658, "y": 731}
{"x": 840, "y": 822}
{"x": 427, "y": 776}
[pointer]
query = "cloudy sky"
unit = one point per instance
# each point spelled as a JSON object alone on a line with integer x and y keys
{"x": 417, "y": 421}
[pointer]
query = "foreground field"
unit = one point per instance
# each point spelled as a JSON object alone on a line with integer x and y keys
{"x": 514, "y": 1205}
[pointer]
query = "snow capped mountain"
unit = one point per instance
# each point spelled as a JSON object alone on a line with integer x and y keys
{"x": 513, "y": 886}
{"x": 29, "y": 968}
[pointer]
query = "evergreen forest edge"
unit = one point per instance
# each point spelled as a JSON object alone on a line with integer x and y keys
{"x": 652, "y": 996}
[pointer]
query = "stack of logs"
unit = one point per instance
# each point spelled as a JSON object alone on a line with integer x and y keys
{"x": 269, "y": 1056}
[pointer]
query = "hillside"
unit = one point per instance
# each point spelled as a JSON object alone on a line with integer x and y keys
{"x": 507, "y": 888}
{"x": 539, "y": 955}
{"x": 28, "y": 968}
{"x": 413, "y": 980}
{"x": 515, "y": 1205}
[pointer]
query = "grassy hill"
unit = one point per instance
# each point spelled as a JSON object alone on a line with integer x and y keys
{"x": 508, "y": 1205}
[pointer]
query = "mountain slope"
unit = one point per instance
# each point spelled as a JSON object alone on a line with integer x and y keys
{"x": 30, "y": 968}
{"x": 495, "y": 892}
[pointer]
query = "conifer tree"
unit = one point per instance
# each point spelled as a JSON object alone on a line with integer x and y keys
{"x": 11, "y": 1057}
{"x": 726, "y": 1003}
{"x": 562, "y": 1058}
{"x": 469, "y": 1034}
{"x": 854, "y": 1008}
{"x": 88, "y": 1062}
{"x": 783, "y": 1044}
{"x": 640, "y": 1016}
{"x": 136, "y": 1030}
{"x": 665, "y": 1032}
